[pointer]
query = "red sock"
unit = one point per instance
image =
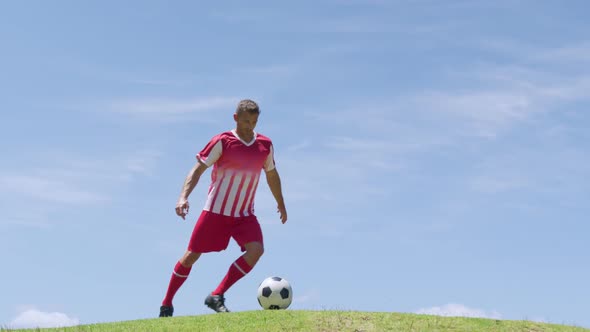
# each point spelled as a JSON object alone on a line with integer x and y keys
{"x": 236, "y": 271}
{"x": 178, "y": 277}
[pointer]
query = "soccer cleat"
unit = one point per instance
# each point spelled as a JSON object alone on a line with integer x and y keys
{"x": 166, "y": 311}
{"x": 216, "y": 302}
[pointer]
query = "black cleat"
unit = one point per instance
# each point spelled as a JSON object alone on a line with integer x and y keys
{"x": 216, "y": 302}
{"x": 166, "y": 311}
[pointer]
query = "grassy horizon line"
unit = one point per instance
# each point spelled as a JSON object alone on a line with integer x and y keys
{"x": 326, "y": 321}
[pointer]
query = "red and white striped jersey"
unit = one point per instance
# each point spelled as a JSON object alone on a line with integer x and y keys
{"x": 236, "y": 171}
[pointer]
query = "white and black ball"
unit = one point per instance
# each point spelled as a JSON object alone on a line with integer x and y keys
{"x": 275, "y": 293}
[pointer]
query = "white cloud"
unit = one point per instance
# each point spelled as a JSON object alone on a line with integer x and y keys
{"x": 278, "y": 70}
{"x": 104, "y": 168}
{"x": 27, "y": 221}
{"x": 459, "y": 310}
{"x": 556, "y": 170}
{"x": 47, "y": 189}
{"x": 486, "y": 101}
{"x": 34, "y": 318}
{"x": 539, "y": 319}
{"x": 485, "y": 111}
{"x": 305, "y": 144}
{"x": 353, "y": 25}
{"x": 377, "y": 146}
{"x": 66, "y": 180}
{"x": 169, "y": 109}
{"x": 309, "y": 296}
{"x": 579, "y": 52}
{"x": 496, "y": 183}
{"x": 494, "y": 98}
{"x": 143, "y": 162}
{"x": 506, "y": 100}
{"x": 75, "y": 179}
{"x": 158, "y": 82}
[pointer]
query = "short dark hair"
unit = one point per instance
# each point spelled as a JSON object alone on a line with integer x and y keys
{"x": 249, "y": 106}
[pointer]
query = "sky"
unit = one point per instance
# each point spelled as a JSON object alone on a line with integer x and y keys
{"x": 434, "y": 155}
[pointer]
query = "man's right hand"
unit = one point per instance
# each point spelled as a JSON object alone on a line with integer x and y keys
{"x": 182, "y": 208}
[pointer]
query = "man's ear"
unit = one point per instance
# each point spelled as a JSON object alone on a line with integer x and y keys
{"x": 236, "y": 117}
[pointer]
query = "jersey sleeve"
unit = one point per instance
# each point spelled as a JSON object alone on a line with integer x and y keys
{"x": 269, "y": 163}
{"x": 211, "y": 152}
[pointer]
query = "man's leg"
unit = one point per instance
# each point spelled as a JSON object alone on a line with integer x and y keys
{"x": 240, "y": 267}
{"x": 179, "y": 275}
{"x": 237, "y": 271}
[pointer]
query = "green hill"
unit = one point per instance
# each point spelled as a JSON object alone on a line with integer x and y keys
{"x": 292, "y": 320}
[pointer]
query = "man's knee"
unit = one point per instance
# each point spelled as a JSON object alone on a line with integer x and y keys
{"x": 189, "y": 258}
{"x": 255, "y": 249}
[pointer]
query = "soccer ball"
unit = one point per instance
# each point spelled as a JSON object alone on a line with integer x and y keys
{"x": 275, "y": 293}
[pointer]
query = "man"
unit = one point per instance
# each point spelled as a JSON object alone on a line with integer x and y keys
{"x": 237, "y": 157}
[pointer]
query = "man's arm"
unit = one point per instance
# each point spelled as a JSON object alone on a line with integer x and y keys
{"x": 190, "y": 183}
{"x": 274, "y": 183}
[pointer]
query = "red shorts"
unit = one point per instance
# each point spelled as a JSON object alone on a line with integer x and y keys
{"x": 213, "y": 231}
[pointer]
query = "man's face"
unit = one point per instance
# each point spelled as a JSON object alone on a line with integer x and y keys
{"x": 246, "y": 122}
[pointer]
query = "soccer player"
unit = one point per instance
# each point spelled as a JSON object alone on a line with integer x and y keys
{"x": 238, "y": 157}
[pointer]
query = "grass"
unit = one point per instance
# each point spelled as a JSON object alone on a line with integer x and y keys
{"x": 326, "y": 321}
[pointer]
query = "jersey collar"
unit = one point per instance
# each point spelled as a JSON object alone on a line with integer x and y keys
{"x": 233, "y": 131}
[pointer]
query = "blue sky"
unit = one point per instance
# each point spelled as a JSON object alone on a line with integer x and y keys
{"x": 434, "y": 154}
